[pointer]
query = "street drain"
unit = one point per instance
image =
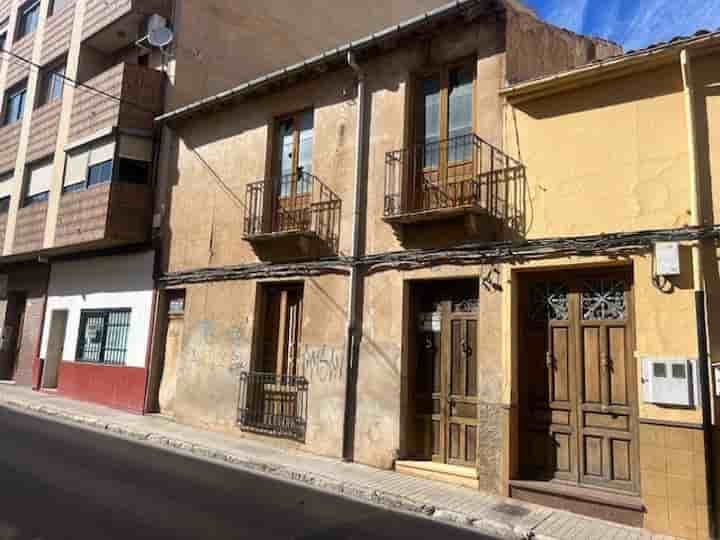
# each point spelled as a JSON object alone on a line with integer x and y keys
{"x": 511, "y": 510}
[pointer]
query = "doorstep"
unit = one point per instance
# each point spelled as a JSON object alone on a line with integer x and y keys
{"x": 441, "y": 472}
{"x": 488, "y": 514}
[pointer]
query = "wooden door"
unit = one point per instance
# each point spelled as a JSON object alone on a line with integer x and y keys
{"x": 447, "y": 401}
{"x": 581, "y": 426}
{"x": 12, "y": 338}
{"x": 460, "y": 361}
{"x": 292, "y": 170}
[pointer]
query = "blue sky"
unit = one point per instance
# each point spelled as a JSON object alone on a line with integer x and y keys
{"x": 632, "y": 23}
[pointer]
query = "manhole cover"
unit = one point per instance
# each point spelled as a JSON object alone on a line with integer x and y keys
{"x": 511, "y": 510}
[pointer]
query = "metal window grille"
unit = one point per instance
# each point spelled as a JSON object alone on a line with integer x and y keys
{"x": 273, "y": 404}
{"x": 104, "y": 336}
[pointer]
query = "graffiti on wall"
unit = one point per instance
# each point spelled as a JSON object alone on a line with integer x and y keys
{"x": 322, "y": 364}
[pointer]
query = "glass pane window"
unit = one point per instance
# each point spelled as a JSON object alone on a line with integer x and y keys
{"x": 4, "y": 205}
{"x": 460, "y": 101}
{"x": 52, "y": 84}
{"x": 15, "y": 105}
{"x": 305, "y": 149}
{"x": 56, "y": 6}
{"x": 103, "y": 336}
{"x": 100, "y": 173}
{"x": 431, "y": 126}
{"x": 28, "y": 18}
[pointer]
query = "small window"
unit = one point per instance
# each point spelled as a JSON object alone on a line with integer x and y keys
{"x": 678, "y": 371}
{"x": 132, "y": 171}
{"x": 3, "y": 39}
{"x": 56, "y": 6}
{"x": 52, "y": 82}
{"x": 15, "y": 103}
{"x": 659, "y": 371}
{"x": 103, "y": 336}
{"x": 4, "y": 205}
{"x": 39, "y": 178}
{"x": 28, "y": 17}
{"x": 100, "y": 173}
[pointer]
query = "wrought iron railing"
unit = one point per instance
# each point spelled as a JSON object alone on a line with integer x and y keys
{"x": 463, "y": 171}
{"x": 297, "y": 202}
{"x": 273, "y": 404}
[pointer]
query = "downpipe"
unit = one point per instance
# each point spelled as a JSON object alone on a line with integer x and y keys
{"x": 354, "y": 331}
{"x": 697, "y": 219}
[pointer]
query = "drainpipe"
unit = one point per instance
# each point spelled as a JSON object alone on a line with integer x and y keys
{"x": 354, "y": 332}
{"x": 697, "y": 219}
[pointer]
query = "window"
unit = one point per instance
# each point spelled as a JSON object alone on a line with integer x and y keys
{"x": 56, "y": 6}
{"x": 28, "y": 18}
{"x": 99, "y": 173}
{"x": 103, "y": 336}
{"x": 294, "y": 154}
{"x": 282, "y": 329}
{"x": 6, "y": 187}
{"x": 15, "y": 103}
{"x": 132, "y": 171}
{"x": 52, "y": 82}
{"x": 38, "y": 185}
{"x": 4, "y": 205}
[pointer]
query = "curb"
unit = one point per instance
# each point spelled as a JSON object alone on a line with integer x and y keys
{"x": 390, "y": 501}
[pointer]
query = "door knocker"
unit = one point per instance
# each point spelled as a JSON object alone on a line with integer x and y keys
{"x": 466, "y": 349}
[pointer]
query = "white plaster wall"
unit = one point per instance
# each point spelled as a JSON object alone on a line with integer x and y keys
{"x": 123, "y": 281}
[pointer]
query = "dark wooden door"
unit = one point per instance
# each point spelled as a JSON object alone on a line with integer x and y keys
{"x": 581, "y": 425}
{"x": 13, "y": 333}
{"x": 447, "y": 416}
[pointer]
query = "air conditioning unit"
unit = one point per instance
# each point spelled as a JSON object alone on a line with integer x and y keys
{"x": 670, "y": 381}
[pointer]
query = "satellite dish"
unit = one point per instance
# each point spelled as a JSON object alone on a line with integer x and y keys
{"x": 160, "y": 37}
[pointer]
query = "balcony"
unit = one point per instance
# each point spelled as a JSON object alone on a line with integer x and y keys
{"x": 462, "y": 178}
{"x": 140, "y": 89}
{"x": 273, "y": 404}
{"x": 111, "y": 26}
{"x": 293, "y": 216}
{"x": 105, "y": 215}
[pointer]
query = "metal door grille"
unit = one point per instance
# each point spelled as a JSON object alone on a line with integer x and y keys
{"x": 104, "y": 336}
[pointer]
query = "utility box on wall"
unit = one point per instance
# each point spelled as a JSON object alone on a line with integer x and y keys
{"x": 670, "y": 381}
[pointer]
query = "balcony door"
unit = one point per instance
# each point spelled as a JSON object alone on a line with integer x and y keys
{"x": 444, "y": 139}
{"x": 281, "y": 330}
{"x": 292, "y": 171}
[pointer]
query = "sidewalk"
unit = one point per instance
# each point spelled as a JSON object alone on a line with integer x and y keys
{"x": 488, "y": 514}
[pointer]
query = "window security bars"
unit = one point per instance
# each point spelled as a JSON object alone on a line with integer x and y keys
{"x": 462, "y": 171}
{"x": 273, "y": 404}
{"x": 296, "y": 202}
{"x": 103, "y": 336}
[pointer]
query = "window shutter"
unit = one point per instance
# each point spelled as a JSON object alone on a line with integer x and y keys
{"x": 40, "y": 178}
{"x": 6, "y": 185}
{"x": 101, "y": 152}
{"x": 137, "y": 148}
{"x": 76, "y": 167}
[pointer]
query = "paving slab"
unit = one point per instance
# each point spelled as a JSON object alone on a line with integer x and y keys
{"x": 484, "y": 512}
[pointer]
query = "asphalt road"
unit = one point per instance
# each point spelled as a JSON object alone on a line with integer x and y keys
{"x": 61, "y": 482}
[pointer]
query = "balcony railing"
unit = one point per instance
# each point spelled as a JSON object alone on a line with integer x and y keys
{"x": 273, "y": 404}
{"x": 294, "y": 203}
{"x": 463, "y": 172}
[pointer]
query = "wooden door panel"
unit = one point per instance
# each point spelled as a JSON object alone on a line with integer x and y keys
{"x": 560, "y": 364}
{"x": 591, "y": 391}
{"x": 563, "y": 459}
{"x": 618, "y": 365}
{"x": 620, "y": 460}
{"x": 593, "y": 458}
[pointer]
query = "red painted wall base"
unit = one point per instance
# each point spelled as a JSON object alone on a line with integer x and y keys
{"x": 117, "y": 387}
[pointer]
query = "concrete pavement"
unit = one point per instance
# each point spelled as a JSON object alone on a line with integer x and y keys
{"x": 484, "y": 513}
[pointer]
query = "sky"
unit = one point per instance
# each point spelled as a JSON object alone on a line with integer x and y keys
{"x": 631, "y": 23}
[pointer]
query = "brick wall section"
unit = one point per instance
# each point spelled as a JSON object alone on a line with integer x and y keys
{"x": 58, "y": 31}
{"x": 93, "y": 112}
{"x": 44, "y": 131}
{"x": 9, "y": 141}
{"x": 100, "y": 14}
{"x": 5, "y": 9}
{"x": 83, "y": 216}
{"x": 32, "y": 280}
{"x": 17, "y": 69}
{"x": 30, "y": 228}
{"x": 130, "y": 218}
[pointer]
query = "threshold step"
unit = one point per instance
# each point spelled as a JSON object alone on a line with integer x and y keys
{"x": 430, "y": 470}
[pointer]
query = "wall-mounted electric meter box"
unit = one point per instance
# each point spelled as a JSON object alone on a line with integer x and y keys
{"x": 670, "y": 381}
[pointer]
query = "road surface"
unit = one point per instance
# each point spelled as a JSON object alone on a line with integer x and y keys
{"x": 61, "y": 482}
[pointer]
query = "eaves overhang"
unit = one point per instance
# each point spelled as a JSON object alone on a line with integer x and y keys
{"x": 382, "y": 40}
{"x": 616, "y": 66}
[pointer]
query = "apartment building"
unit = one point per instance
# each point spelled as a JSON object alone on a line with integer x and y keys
{"x": 76, "y": 166}
{"x": 81, "y": 85}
